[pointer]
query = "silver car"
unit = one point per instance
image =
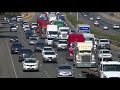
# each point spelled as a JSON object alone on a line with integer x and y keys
{"x": 65, "y": 70}
{"x": 33, "y": 40}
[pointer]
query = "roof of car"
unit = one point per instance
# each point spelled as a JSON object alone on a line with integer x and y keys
{"x": 110, "y": 62}
{"x": 104, "y": 50}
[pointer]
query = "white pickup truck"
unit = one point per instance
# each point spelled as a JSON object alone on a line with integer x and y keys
{"x": 109, "y": 69}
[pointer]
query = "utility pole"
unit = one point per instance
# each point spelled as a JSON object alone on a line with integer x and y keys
{"x": 77, "y": 16}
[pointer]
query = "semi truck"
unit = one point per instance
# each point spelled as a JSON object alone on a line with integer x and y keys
{"x": 72, "y": 39}
{"x": 52, "y": 31}
{"x": 84, "y": 55}
{"x": 83, "y": 28}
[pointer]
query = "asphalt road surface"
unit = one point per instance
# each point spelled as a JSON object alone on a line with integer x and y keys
{"x": 10, "y": 67}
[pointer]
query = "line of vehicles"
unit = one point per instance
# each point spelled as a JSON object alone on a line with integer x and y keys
{"x": 80, "y": 44}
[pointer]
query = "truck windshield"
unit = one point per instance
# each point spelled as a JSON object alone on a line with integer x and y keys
{"x": 111, "y": 67}
{"x": 85, "y": 51}
{"x": 64, "y": 30}
{"x": 54, "y": 33}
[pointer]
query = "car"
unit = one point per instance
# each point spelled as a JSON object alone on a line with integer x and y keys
{"x": 64, "y": 70}
{"x": 25, "y": 53}
{"x": 26, "y": 29}
{"x": 47, "y": 49}
{"x": 103, "y": 44}
{"x": 30, "y": 64}
{"x": 62, "y": 44}
{"x": 98, "y": 17}
{"x": 105, "y": 28}
{"x": 35, "y": 36}
{"x": 49, "y": 40}
{"x": 85, "y": 15}
{"x": 55, "y": 41}
{"x": 28, "y": 34}
{"x": 104, "y": 54}
{"x": 13, "y": 29}
{"x": 96, "y": 23}
{"x": 24, "y": 22}
{"x": 49, "y": 56}
{"x": 39, "y": 46}
{"x": 91, "y": 18}
{"x": 14, "y": 39}
{"x": 116, "y": 26}
{"x": 15, "y": 48}
{"x": 34, "y": 25}
{"x": 33, "y": 40}
{"x": 25, "y": 25}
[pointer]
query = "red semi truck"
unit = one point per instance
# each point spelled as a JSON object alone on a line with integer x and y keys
{"x": 72, "y": 39}
{"x": 41, "y": 29}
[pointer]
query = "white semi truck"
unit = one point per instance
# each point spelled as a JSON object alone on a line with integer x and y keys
{"x": 84, "y": 55}
{"x": 63, "y": 32}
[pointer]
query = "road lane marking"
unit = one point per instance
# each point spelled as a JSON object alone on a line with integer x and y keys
{"x": 11, "y": 60}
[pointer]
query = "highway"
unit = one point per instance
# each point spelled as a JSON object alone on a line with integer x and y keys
{"x": 11, "y": 68}
{"x": 103, "y": 22}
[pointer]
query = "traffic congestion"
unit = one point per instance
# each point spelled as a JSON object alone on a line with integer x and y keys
{"x": 47, "y": 47}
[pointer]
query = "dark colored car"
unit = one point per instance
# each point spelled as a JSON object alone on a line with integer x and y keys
{"x": 28, "y": 34}
{"x": 13, "y": 39}
{"x": 16, "y": 47}
{"x": 24, "y": 53}
{"x": 39, "y": 46}
{"x": 55, "y": 41}
{"x": 13, "y": 28}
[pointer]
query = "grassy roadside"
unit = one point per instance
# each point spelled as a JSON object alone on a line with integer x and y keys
{"x": 74, "y": 22}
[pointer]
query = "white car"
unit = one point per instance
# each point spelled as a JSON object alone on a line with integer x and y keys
{"x": 30, "y": 64}
{"x": 33, "y": 40}
{"x": 35, "y": 36}
{"x": 105, "y": 28}
{"x": 116, "y": 26}
{"x": 49, "y": 40}
{"x": 91, "y": 18}
{"x": 85, "y": 15}
{"x": 25, "y": 25}
{"x": 96, "y": 23}
{"x": 98, "y": 17}
{"x": 104, "y": 54}
{"x": 49, "y": 56}
{"x": 26, "y": 28}
{"x": 62, "y": 44}
{"x": 34, "y": 25}
{"x": 47, "y": 49}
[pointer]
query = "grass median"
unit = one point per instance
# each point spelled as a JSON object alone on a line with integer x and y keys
{"x": 74, "y": 22}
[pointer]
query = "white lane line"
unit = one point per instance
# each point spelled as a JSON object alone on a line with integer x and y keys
{"x": 11, "y": 59}
{"x": 47, "y": 74}
{"x": 41, "y": 65}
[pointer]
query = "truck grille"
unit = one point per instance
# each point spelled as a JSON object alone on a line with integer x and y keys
{"x": 86, "y": 58}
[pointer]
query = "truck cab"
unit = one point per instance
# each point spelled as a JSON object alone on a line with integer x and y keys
{"x": 84, "y": 55}
{"x": 109, "y": 69}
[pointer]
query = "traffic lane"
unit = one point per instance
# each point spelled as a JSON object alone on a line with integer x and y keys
{"x": 18, "y": 65}
{"x": 102, "y": 23}
{"x": 6, "y": 67}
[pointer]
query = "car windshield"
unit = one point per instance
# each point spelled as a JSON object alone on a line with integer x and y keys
{"x": 14, "y": 37}
{"x": 30, "y": 61}
{"x": 47, "y": 49}
{"x": 17, "y": 45}
{"x": 85, "y": 51}
{"x": 63, "y": 42}
{"x": 111, "y": 67}
{"x": 64, "y": 67}
{"x": 103, "y": 40}
{"x": 35, "y": 24}
{"x": 49, "y": 53}
{"x": 33, "y": 38}
{"x": 106, "y": 51}
{"x": 26, "y": 51}
{"x": 50, "y": 38}
{"x": 64, "y": 30}
{"x": 40, "y": 44}
{"x": 53, "y": 33}
{"x": 13, "y": 26}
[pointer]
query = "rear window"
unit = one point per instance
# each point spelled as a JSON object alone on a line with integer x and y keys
{"x": 106, "y": 51}
{"x": 103, "y": 40}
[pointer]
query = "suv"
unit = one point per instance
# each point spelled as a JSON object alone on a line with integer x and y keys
{"x": 15, "y": 48}
{"x": 24, "y": 53}
{"x": 62, "y": 44}
{"x": 105, "y": 54}
{"x": 49, "y": 56}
